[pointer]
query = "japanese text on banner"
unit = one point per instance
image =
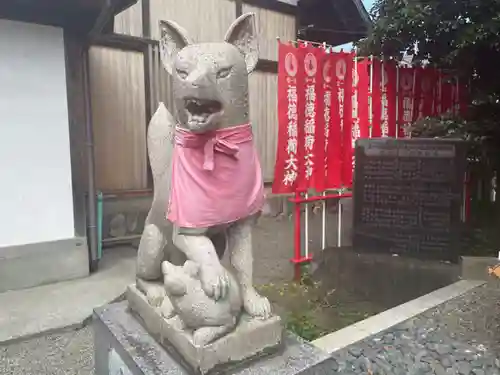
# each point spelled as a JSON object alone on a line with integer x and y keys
{"x": 289, "y": 154}
{"x": 313, "y": 120}
{"x": 406, "y": 102}
{"x": 424, "y": 85}
{"x": 323, "y": 118}
{"x": 332, "y": 80}
{"x": 360, "y": 127}
{"x": 388, "y": 89}
{"x": 376, "y": 115}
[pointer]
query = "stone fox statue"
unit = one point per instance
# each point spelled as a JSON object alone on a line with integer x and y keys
{"x": 207, "y": 177}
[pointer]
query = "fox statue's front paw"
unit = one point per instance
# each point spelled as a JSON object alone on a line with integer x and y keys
{"x": 215, "y": 281}
{"x": 167, "y": 309}
{"x": 155, "y": 295}
{"x": 256, "y": 305}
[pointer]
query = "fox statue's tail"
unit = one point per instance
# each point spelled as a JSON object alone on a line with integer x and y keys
{"x": 154, "y": 237}
{"x": 160, "y": 150}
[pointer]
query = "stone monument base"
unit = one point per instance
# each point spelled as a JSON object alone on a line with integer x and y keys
{"x": 250, "y": 339}
{"x": 123, "y": 346}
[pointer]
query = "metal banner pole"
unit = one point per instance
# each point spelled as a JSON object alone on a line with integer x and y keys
{"x": 339, "y": 225}
{"x": 397, "y": 101}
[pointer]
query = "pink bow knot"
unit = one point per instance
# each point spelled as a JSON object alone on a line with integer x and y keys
{"x": 220, "y": 145}
{"x": 222, "y": 140}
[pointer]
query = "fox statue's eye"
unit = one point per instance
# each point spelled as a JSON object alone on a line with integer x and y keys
{"x": 182, "y": 73}
{"x": 223, "y": 73}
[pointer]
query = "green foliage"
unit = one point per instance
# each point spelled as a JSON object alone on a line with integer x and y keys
{"x": 481, "y": 136}
{"x": 455, "y": 34}
{"x": 299, "y": 319}
{"x": 310, "y": 309}
{"x": 303, "y": 325}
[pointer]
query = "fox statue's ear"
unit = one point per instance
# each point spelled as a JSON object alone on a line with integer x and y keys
{"x": 173, "y": 38}
{"x": 243, "y": 34}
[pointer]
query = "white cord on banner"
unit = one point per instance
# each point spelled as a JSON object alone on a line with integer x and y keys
{"x": 323, "y": 203}
{"x": 413, "y": 99}
{"x": 370, "y": 103}
{"x": 306, "y": 227}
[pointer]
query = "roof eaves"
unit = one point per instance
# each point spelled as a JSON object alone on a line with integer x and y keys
{"x": 123, "y": 5}
{"x": 363, "y": 12}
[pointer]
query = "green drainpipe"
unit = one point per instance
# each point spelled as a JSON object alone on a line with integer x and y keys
{"x": 100, "y": 200}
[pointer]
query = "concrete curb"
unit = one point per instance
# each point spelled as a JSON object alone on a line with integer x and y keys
{"x": 340, "y": 339}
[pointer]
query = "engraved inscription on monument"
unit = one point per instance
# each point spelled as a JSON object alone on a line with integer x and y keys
{"x": 408, "y": 196}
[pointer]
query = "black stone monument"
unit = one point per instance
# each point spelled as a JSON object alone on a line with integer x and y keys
{"x": 408, "y": 196}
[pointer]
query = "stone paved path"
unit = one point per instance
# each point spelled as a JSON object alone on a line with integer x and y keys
{"x": 460, "y": 337}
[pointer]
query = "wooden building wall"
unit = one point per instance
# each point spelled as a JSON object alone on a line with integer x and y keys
{"x": 119, "y": 118}
{"x": 204, "y": 20}
{"x": 271, "y": 24}
{"x": 129, "y": 22}
{"x": 264, "y": 115}
{"x": 118, "y": 84}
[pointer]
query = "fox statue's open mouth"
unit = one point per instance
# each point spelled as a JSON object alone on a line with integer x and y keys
{"x": 201, "y": 112}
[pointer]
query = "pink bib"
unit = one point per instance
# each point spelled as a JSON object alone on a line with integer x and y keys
{"x": 216, "y": 178}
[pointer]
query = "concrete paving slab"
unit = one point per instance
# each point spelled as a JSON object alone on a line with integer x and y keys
{"x": 30, "y": 312}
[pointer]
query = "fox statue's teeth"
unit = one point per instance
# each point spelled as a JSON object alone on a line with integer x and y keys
{"x": 197, "y": 119}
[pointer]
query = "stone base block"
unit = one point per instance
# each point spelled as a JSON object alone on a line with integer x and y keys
{"x": 123, "y": 346}
{"x": 251, "y": 339}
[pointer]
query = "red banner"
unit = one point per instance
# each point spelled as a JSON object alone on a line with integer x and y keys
{"x": 460, "y": 98}
{"x": 360, "y": 125}
{"x": 313, "y": 120}
{"x": 406, "y": 102}
{"x": 289, "y": 155}
{"x": 424, "y": 100}
{"x": 344, "y": 71}
{"x": 341, "y": 64}
{"x": 360, "y": 110}
{"x": 446, "y": 95}
{"x": 388, "y": 88}
{"x": 330, "y": 109}
{"x": 323, "y": 107}
{"x": 463, "y": 99}
{"x": 436, "y": 108}
{"x": 376, "y": 98}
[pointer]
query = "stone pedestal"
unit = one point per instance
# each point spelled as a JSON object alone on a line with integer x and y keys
{"x": 250, "y": 339}
{"x": 124, "y": 347}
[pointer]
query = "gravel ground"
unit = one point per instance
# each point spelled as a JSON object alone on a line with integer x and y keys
{"x": 460, "y": 337}
{"x": 68, "y": 353}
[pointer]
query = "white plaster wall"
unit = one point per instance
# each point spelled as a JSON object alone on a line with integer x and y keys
{"x": 36, "y": 202}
